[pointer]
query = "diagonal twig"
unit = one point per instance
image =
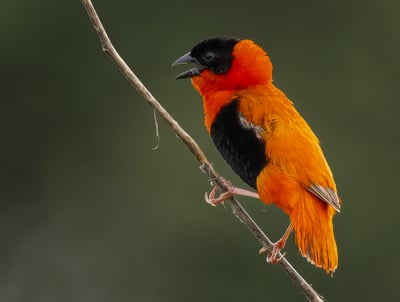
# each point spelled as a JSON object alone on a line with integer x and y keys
{"x": 238, "y": 210}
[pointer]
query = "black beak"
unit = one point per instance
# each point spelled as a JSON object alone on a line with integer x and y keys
{"x": 188, "y": 59}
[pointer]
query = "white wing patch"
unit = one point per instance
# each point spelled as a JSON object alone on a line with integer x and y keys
{"x": 258, "y": 131}
{"x": 325, "y": 194}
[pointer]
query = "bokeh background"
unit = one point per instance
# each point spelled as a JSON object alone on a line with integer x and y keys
{"x": 89, "y": 212}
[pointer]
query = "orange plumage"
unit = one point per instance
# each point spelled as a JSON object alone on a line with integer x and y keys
{"x": 234, "y": 77}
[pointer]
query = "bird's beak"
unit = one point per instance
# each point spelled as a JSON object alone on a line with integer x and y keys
{"x": 188, "y": 59}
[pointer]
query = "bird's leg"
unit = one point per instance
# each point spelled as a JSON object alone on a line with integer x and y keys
{"x": 231, "y": 191}
{"x": 277, "y": 247}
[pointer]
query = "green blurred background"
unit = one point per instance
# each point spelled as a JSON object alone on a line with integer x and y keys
{"x": 89, "y": 212}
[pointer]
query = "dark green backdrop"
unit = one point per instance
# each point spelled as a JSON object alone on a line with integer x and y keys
{"x": 89, "y": 212}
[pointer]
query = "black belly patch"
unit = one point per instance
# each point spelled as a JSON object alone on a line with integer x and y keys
{"x": 240, "y": 146}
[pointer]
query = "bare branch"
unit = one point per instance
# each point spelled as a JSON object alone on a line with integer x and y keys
{"x": 238, "y": 210}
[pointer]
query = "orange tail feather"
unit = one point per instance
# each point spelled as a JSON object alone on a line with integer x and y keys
{"x": 313, "y": 227}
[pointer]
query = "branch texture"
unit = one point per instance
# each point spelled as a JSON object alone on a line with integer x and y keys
{"x": 238, "y": 210}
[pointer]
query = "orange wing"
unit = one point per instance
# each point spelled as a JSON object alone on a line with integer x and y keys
{"x": 297, "y": 177}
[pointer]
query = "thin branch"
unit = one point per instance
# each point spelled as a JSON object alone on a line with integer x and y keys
{"x": 238, "y": 210}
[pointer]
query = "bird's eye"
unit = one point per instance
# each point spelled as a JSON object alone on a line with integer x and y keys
{"x": 209, "y": 57}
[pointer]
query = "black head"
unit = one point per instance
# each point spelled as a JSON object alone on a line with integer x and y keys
{"x": 214, "y": 54}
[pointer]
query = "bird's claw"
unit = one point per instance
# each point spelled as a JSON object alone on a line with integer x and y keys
{"x": 209, "y": 198}
{"x": 212, "y": 200}
{"x": 274, "y": 256}
{"x": 230, "y": 192}
{"x": 275, "y": 259}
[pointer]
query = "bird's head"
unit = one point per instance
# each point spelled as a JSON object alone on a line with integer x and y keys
{"x": 226, "y": 63}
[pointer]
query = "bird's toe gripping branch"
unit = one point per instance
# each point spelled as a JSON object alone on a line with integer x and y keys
{"x": 214, "y": 201}
{"x": 274, "y": 256}
{"x": 231, "y": 191}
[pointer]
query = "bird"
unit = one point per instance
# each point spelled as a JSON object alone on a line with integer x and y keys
{"x": 267, "y": 143}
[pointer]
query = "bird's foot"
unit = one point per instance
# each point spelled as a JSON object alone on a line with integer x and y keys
{"x": 230, "y": 192}
{"x": 214, "y": 201}
{"x": 274, "y": 256}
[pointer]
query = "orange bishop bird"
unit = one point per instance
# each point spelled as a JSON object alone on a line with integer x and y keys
{"x": 263, "y": 138}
